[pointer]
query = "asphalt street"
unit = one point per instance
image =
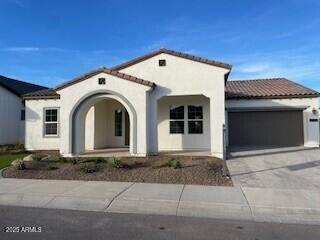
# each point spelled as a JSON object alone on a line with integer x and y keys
{"x": 36, "y": 223}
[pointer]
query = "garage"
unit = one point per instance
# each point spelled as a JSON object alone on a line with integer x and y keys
{"x": 265, "y": 128}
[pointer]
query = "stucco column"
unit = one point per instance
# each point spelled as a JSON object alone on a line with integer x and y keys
{"x": 142, "y": 127}
{"x": 217, "y": 120}
{"x": 152, "y": 121}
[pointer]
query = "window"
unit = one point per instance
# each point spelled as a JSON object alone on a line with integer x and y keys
{"x": 23, "y": 115}
{"x": 118, "y": 122}
{"x": 102, "y": 81}
{"x": 162, "y": 63}
{"x": 51, "y": 122}
{"x": 195, "y": 119}
{"x": 176, "y": 119}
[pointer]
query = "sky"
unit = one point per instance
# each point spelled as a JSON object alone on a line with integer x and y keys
{"x": 49, "y": 42}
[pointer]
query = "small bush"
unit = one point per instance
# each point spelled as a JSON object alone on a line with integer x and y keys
{"x": 52, "y": 167}
{"x": 116, "y": 163}
{"x": 62, "y": 159}
{"x": 174, "y": 163}
{"x": 89, "y": 167}
{"x": 96, "y": 160}
{"x": 20, "y": 165}
{"x": 38, "y": 156}
{"x": 74, "y": 161}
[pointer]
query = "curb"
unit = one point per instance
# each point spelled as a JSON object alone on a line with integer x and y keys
{"x": 1, "y": 171}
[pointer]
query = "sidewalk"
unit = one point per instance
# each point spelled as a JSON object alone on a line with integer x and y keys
{"x": 255, "y": 204}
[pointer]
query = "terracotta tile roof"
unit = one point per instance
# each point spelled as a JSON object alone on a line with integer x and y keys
{"x": 267, "y": 88}
{"x": 173, "y": 53}
{"x": 18, "y": 87}
{"x": 42, "y": 94}
{"x": 52, "y": 94}
{"x": 107, "y": 71}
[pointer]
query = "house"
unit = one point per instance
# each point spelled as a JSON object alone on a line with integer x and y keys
{"x": 170, "y": 101}
{"x": 12, "y": 109}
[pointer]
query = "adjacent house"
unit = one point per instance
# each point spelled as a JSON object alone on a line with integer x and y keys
{"x": 170, "y": 101}
{"x": 12, "y": 113}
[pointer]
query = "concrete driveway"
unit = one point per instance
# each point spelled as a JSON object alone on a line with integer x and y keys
{"x": 285, "y": 168}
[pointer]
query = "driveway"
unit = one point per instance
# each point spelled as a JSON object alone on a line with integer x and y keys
{"x": 285, "y": 168}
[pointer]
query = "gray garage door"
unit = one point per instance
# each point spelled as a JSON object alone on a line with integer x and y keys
{"x": 266, "y": 128}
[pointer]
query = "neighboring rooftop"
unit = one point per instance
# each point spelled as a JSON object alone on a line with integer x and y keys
{"x": 267, "y": 88}
{"x": 18, "y": 87}
{"x": 173, "y": 53}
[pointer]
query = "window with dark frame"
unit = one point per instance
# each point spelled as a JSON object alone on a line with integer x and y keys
{"x": 23, "y": 115}
{"x": 162, "y": 62}
{"x": 176, "y": 119}
{"x": 195, "y": 119}
{"x": 102, "y": 81}
{"x": 51, "y": 122}
{"x": 118, "y": 122}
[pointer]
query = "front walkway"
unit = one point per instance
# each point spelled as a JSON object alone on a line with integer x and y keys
{"x": 282, "y": 168}
{"x": 267, "y": 205}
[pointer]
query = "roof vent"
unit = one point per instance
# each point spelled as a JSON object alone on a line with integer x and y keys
{"x": 162, "y": 63}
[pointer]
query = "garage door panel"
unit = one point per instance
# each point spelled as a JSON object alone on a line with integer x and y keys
{"x": 266, "y": 128}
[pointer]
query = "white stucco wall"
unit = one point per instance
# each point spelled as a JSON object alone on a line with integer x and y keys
{"x": 100, "y": 125}
{"x": 183, "y": 77}
{"x": 184, "y": 141}
{"x": 35, "y": 139}
{"x": 90, "y": 128}
{"x": 311, "y": 129}
{"x": 11, "y": 126}
{"x": 132, "y": 94}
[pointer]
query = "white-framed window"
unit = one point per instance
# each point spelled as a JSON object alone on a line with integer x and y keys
{"x": 195, "y": 119}
{"x": 177, "y": 119}
{"x": 51, "y": 122}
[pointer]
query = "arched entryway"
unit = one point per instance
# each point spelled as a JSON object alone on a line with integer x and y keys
{"x": 103, "y": 120}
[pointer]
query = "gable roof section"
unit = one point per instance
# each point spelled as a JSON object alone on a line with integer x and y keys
{"x": 173, "y": 53}
{"x": 52, "y": 93}
{"x": 17, "y": 87}
{"x": 267, "y": 89}
{"x": 107, "y": 71}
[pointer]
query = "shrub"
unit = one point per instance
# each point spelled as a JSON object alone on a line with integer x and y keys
{"x": 20, "y": 165}
{"x": 38, "y": 156}
{"x": 174, "y": 163}
{"x": 116, "y": 163}
{"x": 89, "y": 167}
{"x": 63, "y": 159}
{"x": 52, "y": 167}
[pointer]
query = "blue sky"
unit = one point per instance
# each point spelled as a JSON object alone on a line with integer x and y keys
{"x": 48, "y": 42}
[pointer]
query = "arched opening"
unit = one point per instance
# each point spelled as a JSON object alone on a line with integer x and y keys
{"x": 103, "y": 123}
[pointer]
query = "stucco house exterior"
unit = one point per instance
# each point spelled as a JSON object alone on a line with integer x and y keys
{"x": 170, "y": 101}
{"x": 12, "y": 109}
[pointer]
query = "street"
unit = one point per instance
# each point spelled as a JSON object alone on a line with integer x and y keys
{"x": 37, "y": 223}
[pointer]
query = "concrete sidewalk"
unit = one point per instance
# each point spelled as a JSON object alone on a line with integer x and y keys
{"x": 257, "y": 204}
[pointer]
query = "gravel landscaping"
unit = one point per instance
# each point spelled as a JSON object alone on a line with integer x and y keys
{"x": 153, "y": 169}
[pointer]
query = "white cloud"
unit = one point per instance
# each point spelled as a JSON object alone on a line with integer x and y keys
{"x": 21, "y": 49}
{"x": 31, "y": 49}
{"x": 253, "y": 68}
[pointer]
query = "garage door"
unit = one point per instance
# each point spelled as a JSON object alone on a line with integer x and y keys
{"x": 266, "y": 128}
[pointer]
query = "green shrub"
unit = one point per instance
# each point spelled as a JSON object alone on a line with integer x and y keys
{"x": 174, "y": 163}
{"x": 63, "y": 159}
{"x": 74, "y": 160}
{"x": 89, "y": 167}
{"x": 52, "y": 167}
{"x": 20, "y": 165}
{"x": 116, "y": 163}
{"x": 38, "y": 156}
